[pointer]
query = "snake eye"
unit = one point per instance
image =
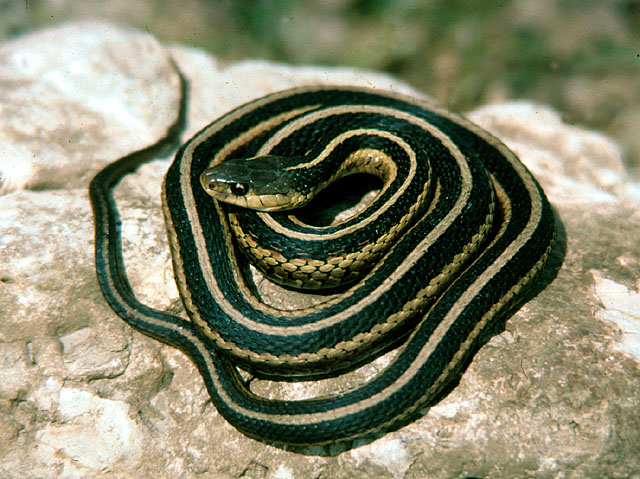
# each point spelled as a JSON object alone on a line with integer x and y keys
{"x": 239, "y": 189}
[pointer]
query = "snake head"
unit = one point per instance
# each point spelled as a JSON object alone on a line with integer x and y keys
{"x": 264, "y": 183}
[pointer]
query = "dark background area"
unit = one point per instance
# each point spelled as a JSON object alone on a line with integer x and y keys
{"x": 580, "y": 56}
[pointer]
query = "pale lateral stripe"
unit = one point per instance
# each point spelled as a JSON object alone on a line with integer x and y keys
{"x": 255, "y": 131}
{"x": 354, "y": 309}
{"x": 434, "y": 340}
{"x": 322, "y": 114}
{"x": 278, "y": 228}
{"x": 427, "y": 350}
{"x": 393, "y": 173}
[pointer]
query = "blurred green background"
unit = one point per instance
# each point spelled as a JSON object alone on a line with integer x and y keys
{"x": 580, "y": 56}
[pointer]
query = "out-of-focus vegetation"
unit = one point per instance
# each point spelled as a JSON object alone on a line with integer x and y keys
{"x": 580, "y": 56}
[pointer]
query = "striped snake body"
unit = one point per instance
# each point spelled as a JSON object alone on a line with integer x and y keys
{"x": 449, "y": 246}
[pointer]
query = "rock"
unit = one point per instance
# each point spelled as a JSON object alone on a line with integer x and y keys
{"x": 83, "y": 395}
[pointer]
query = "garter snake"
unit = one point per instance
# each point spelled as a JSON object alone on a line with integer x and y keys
{"x": 451, "y": 244}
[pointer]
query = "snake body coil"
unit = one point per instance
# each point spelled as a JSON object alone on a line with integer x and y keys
{"x": 451, "y": 244}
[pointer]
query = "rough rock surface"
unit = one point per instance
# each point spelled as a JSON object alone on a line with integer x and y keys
{"x": 82, "y": 395}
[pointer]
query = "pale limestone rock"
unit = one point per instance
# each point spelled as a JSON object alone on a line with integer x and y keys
{"x": 82, "y": 395}
{"x": 98, "y": 433}
{"x": 87, "y": 75}
{"x": 621, "y": 306}
{"x": 580, "y": 166}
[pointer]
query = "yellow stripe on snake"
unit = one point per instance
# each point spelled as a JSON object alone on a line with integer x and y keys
{"x": 451, "y": 244}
